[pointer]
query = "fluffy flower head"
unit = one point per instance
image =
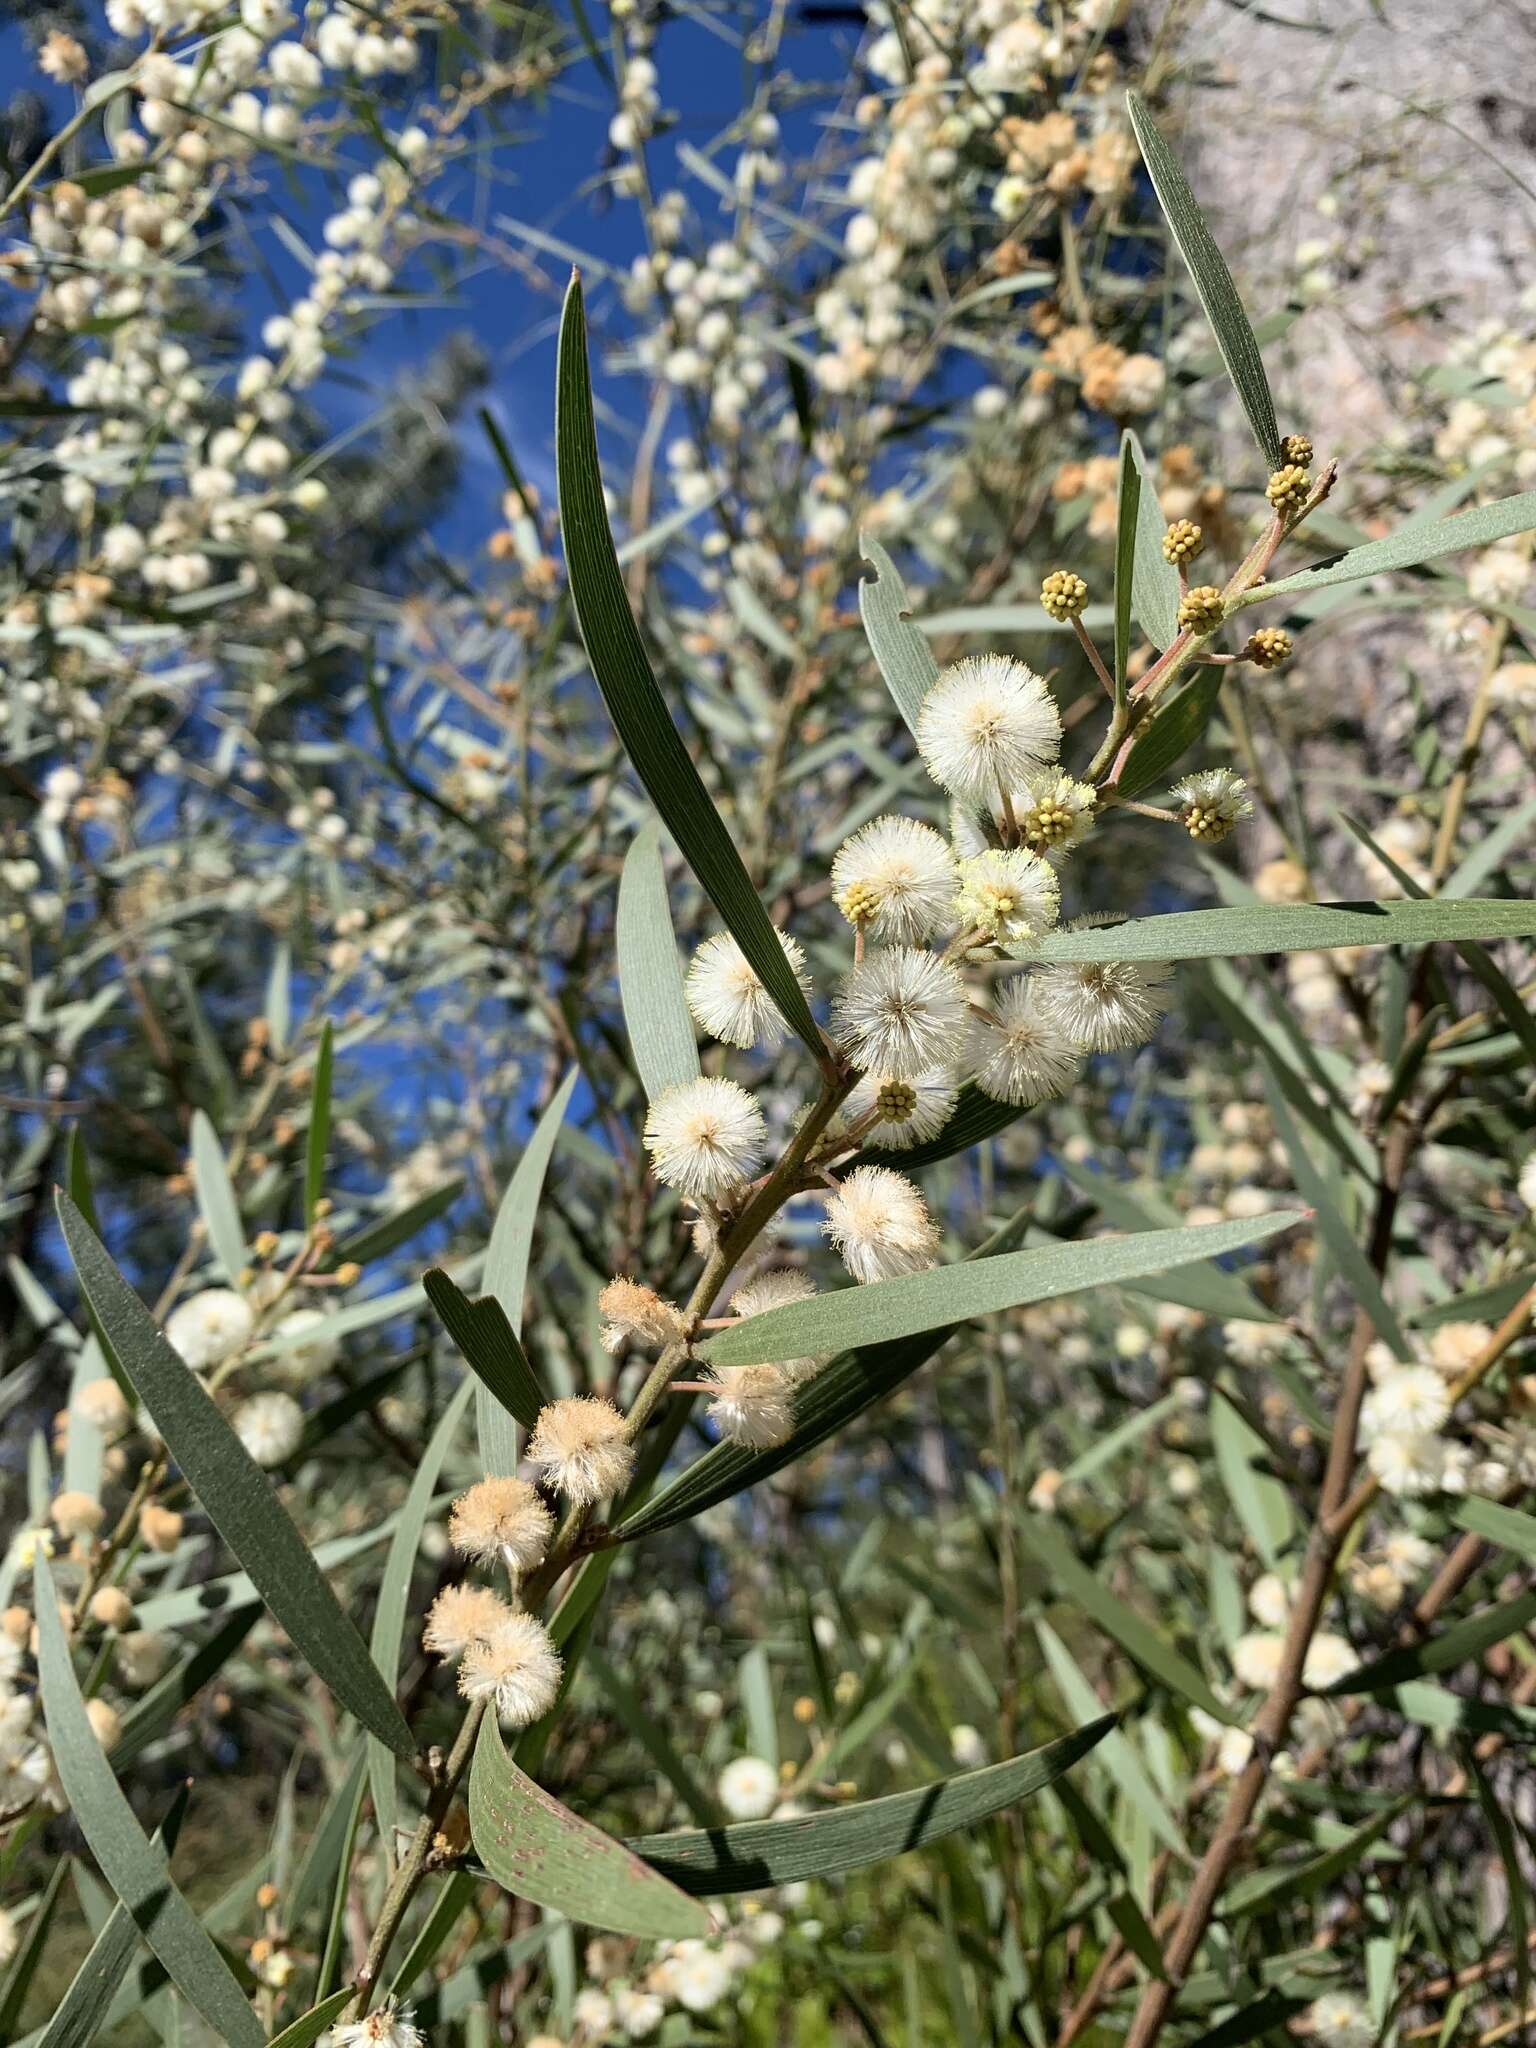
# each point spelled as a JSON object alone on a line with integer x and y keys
{"x": 1054, "y": 811}
{"x": 754, "y": 1406}
{"x": 727, "y": 997}
{"x": 776, "y": 1289}
{"x": 705, "y": 1137}
{"x": 1009, "y": 897}
{"x": 516, "y": 1666}
{"x": 900, "y": 1013}
{"x": 908, "y": 1112}
{"x": 1022, "y": 1054}
{"x": 580, "y": 1444}
{"x": 631, "y": 1310}
{"x": 880, "y": 1225}
{"x": 501, "y": 1518}
{"x": 270, "y": 1426}
{"x": 749, "y": 1788}
{"x": 459, "y": 1616}
{"x": 387, "y": 2026}
{"x": 985, "y": 725}
{"x": 1106, "y": 1005}
{"x": 210, "y": 1327}
{"x": 894, "y": 878}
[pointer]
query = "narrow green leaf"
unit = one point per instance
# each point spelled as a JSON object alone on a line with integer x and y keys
{"x": 136, "y": 1870}
{"x": 449, "y": 1907}
{"x": 1490, "y": 1519}
{"x": 216, "y": 1197}
{"x": 1209, "y": 1288}
{"x": 490, "y": 1345}
{"x": 351, "y": 1811}
{"x": 1127, "y": 516}
{"x": 1140, "y": 1641}
{"x": 852, "y": 1382}
{"x": 374, "y": 1240}
{"x": 760, "y": 1703}
{"x": 650, "y": 974}
{"x": 234, "y": 1490}
{"x": 309, "y": 2026}
{"x": 506, "y": 1266}
{"x": 539, "y": 1850}
{"x": 1154, "y": 580}
{"x": 18, "y": 1978}
{"x": 915, "y": 1302}
{"x": 1459, "y": 1644}
{"x": 623, "y": 674}
{"x": 1118, "y": 1757}
{"x": 316, "y": 1876}
{"x": 1355, "y": 1268}
{"x": 1213, "y": 280}
{"x": 394, "y": 1594}
{"x": 1516, "y": 1886}
{"x": 901, "y": 650}
{"x": 760, "y": 1853}
{"x": 1170, "y": 733}
{"x": 1266, "y": 2015}
{"x": 1264, "y": 1890}
{"x": 1262, "y": 1504}
{"x": 1412, "y": 545}
{"x": 85, "y": 2005}
{"x": 1290, "y": 928}
{"x": 319, "y": 1134}
{"x": 653, "y": 1738}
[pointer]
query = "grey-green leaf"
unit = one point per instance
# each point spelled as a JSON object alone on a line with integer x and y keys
{"x": 1154, "y": 580}
{"x": 903, "y": 1307}
{"x": 1456, "y": 1645}
{"x": 650, "y": 975}
{"x": 506, "y": 1266}
{"x": 85, "y": 2005}
{"x": 394, "y": 1591}
{"x": 1213, "y": 280}
{"x": 135, "y": 1867}
{"x": 490, "y": 1345}
{"x": 319, "y": 1133}
{"x": 234, "y": 1490}
{"x": 901, "y": 650}
{"x": 760, "y": 1853}
{"x": 216, "y": 1197}
{"x": 539, "y": 1850}
{"x": 1171, "y": 732}
{"x": 1290, "y": 928}
{"x": 635, "y": 704}
{"x": 1135, "y": 1636}
{"x": 1412, "y": 545}
{"x": 309, "y": 2026}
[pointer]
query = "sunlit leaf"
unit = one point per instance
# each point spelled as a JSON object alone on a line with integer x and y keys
{"x": 900, "y": 648}
{"x": 915, "y": 1302}
{"x": 216, "y": 1197}
{"x": 650, "y": 975}
{"x": 1412, "y": 545}
{"x": 1290, "y": 928}
{"x": 319, "y": 1134}
{"x": 539, "y": 1850}
{"x": 506, "y": 1267}
{"x": 1213, "y": 280}
{"x": 234, "y": 1490}
{"x": 623, "y": 673}
{"x": 135, "y": 1867}
{"x": 756, "y": 1854}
